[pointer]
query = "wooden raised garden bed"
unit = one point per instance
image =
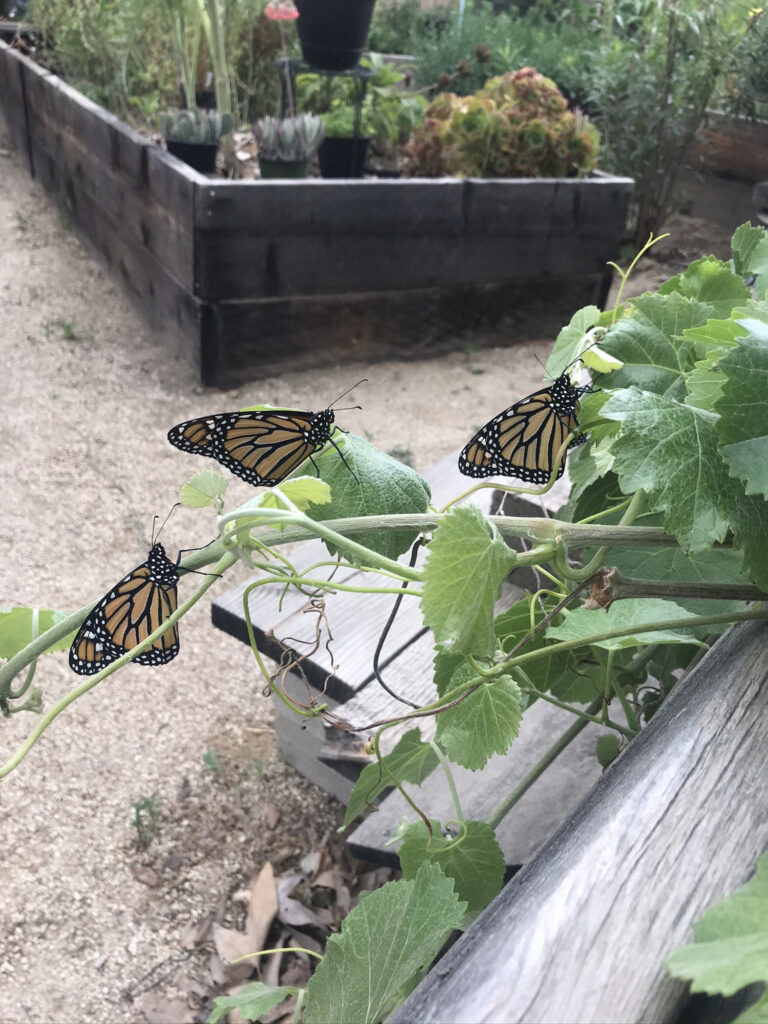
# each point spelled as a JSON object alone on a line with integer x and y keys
{"x": 262, "y": 276}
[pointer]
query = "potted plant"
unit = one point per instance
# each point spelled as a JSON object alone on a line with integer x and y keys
{"x": 343, "y": 151}
{"x": 193, "y": 135}
{"x": 286, "y": 144}
{"x": 332, "y": 33}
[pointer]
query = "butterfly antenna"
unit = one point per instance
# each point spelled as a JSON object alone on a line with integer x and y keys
{"x": 154, "y": 520}
{"x": 347, "y": 408}
{"x": 363, "y": 381}
{"x": 341, "y": 454}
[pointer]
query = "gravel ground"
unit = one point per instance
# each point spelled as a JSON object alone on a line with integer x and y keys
{"x": 89, "y": 394}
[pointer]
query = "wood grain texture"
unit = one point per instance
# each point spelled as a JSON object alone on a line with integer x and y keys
{"x": 12, "y": 98}
{"x": 676, "y": 824}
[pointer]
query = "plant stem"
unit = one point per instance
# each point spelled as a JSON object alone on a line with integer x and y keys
{"x": 449, "y": 776}
{"x": 225, "y": 562}
{"x": 618, "y": 689}
{"x": 541, "y": 766}
{"x": 630, "y": 513}
{"x": 586, "y": 716}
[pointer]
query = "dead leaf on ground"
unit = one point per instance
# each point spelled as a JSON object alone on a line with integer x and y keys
{"x": 262, "y": 907}
{"x": 291, "y": 911}
{"x": 297, "y": 972}
{"x": 271, "y": 815}
{"x": 272, "y": 965}
{"x": 196, "y": 933}
{"x": 146, "y": 875}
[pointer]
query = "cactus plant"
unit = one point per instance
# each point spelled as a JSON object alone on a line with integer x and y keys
{"x": 517, "y": 125}
{"x": 200, "y": 127}
{"x": 288, "y": 139}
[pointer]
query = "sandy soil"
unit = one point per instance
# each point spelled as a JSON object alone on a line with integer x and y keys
{"x": 88, "y": 394}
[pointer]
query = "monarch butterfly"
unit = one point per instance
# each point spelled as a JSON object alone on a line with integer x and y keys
{"x": 263, "y": 446}
{"x": 524, "y": 440}
{"x": 125, "y": 616}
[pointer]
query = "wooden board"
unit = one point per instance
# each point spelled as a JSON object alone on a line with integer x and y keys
{"x": 243, "y": 341}
{"x": 12, "y": 101}
{"x": 676, "y": 824}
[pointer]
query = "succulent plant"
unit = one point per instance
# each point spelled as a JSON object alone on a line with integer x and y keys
{"x": 517, "y": 125}
{"x": 204, "y": 127}
{"x": 289, "y": 138}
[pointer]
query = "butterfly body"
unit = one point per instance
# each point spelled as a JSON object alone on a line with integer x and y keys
{"x": 523, "y": 441}
{"x": 262, "y": 446}
{"x": 127, "y": 614}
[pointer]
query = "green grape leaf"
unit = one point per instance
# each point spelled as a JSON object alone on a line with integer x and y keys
{"x": 607, "y": 748}
{"x": 731, "y": 946}
{"x": 19, "y": 626}
{"x": 473, "y": 859}
{"x": 565, "y": 349}
{"x": 483, "y": 724}
{"x": 704, "y": 383}
{"x": 465, "y": 567}
{"x": 749, "y": 518}
{"x": 391, "y": 936}
{"x": 743, "y": 409}
{"x": 713, "y": 334}
{"x": 650, "y": 343}
{"x": 252, "y": 1001}
{"x": 709, "y": 280}
{"x": 302, "y": 491}
{"x": 749, "y": 246}
{"x": 410, "y": 761}
{"x": 670, "y": 450}
{"x": 387, "y": 487}
{"x": 205, "y": 488}
{"x": 584, "y": 622}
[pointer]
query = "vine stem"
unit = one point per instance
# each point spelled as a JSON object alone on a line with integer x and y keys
{"x": 282, "y": 949}
{"x": 224, "y": 563}
{"x": 449, "y": 776}
{"x": 630, "y": 513}
{"x": 541, "y": 766}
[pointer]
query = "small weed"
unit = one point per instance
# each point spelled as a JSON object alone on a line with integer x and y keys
{"x": 22, "y": 222}
{"x": 146, "y": 817}
{"x": 211, "y": 763}
{"x": 404, "y": 455}
{"x": 66, "y": 328}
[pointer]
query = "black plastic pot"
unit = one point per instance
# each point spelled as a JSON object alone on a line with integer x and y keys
{"x": 283, "y": 168}
{"x": 332, "y": 33}
{"x": 200, "y": 155}
{"x": 342, "y": 158}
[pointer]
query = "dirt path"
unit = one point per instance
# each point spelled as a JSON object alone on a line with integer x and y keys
{"x": 88, "y": 395}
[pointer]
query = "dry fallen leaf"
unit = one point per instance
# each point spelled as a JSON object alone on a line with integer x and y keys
{"x": 291, "y": 911}
{"x": 262, "y": 907}
{"x": 146, "y": 875}
{"x": 271, "y": 815}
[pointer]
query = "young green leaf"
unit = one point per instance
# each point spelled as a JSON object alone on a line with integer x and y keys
{"x": 749, "y": 518}
{"x": 386, "y": 487}
{"x": 204, "y": 488}
{"x": 600, "y": 361}
{"x": 252, "y": 1001}
{"x": 386, "y": 941}
{"x": 704, "y": 383}
{"x": 473, "y": 859}
{"x": 651, "y": 345}
{"x": 731, "y": 947}
{"x": 670, "y": 450}
{"x": 463, "y": 573}
{"x": 566, "y": 347}
{"x": 483, "y": 724}
{"x": 749, "y": 246}
{"x": 743, "y": 408}
{"x": 583, "y": 622}
{"x": 709, "y": 280}
{"x": 19, "y": 626}
{"x": 410, "y": 761}
{"x": 607, "y": 748}
{"x": 300, "y": 490}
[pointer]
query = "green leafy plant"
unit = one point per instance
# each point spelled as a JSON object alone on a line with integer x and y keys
{"x": 203, "y": 127}
{"x": 665, "y": 534}
{"x": 517, "y": 125}
{"x": 731, "y": 947}
{"x": 146, "y": 818}
{"x": 289, "y": 138}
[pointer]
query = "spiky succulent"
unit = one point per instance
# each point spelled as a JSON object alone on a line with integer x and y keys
{"x": 204, "y": 127}
{"x": 289, "y": 138}
{"x": 517, "y": 125}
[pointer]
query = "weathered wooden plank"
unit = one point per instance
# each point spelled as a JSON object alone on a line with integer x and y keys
{"x": 244, "y": 341}
{"x": 12, "y": 97}
{"x": 320, "y": 207}
{"x": 676, "y": 824}
{"x": 123, "y": 173}
{"x": 532, "y": 820}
